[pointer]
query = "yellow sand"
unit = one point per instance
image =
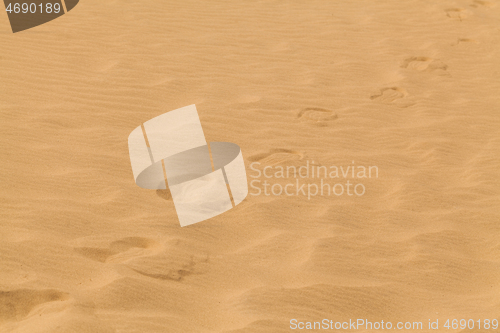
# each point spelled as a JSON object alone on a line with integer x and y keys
{"x": 411, "y": 87}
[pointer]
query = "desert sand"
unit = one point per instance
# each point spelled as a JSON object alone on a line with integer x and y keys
{"x": 411, "y": 87}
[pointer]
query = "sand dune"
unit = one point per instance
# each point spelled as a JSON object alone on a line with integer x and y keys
{"x": 408, "y": 86}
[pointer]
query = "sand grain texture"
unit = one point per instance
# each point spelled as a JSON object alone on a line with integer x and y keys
{"x": 409, "y": 86}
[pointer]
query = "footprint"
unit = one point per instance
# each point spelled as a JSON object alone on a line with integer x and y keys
{"x": 464, "y": 40}
{"x": 97, "y": 254}
{"x": 276, "y": 156}
{"x": 317, "y": 116}
{"x": 393, "y": 96}
{"x": 423, "y": 64}
{"x": 478, "y": 3}
{"x": 172, "y": 271}
{"x": 456, "y": 13}
{"x": 389, "y": 95}
{"x": 120, "y": 250}
{"x": 17, "y": 304}
{"x": 173, "y": 275}
{"x": 164, "y": 194}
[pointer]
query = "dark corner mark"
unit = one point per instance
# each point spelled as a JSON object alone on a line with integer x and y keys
{"x": 32, "y": 13}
